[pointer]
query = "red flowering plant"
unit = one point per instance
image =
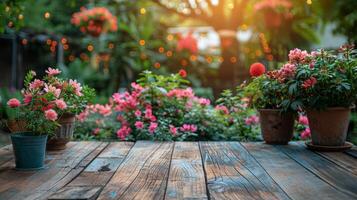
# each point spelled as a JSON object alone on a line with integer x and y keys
{"x": 270, "y": 90}
{"x": 95, "y": 21}
{"x": 324, "y": 79}
{"x": 45, "y": 101}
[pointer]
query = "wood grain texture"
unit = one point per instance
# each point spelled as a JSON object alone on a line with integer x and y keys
{"x": 5, "y": 154}
{"x": 61, "y": 170}
{"x": 326, "y": 170}
{"x": 186, "y": 177}
{"x": 343, "y": 160}
{"x": 352, "y": 152}
{"x": 294, "y": 179}
{"x": 97, "y": 174}
{"x": 143, "y": 174}
{"x": 228, "y": 176}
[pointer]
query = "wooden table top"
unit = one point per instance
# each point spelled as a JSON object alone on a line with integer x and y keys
{"x": 183, "y": 170}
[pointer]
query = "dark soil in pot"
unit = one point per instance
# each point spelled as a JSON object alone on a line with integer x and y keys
{"x": 276, "y": 127}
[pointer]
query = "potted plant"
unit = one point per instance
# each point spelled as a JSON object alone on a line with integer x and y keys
{"x": 326, "y": 86}
{"x": 269, "y": 94}
{"x": 71, "y": 98}
{"x": 40, "y": 118}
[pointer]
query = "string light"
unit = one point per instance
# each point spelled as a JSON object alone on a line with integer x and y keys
{"x": 10, "y": 24}
{"x": 209, "y": 59}
{"x": 193, "y": 58}
{"x": 169, "y": 53}
{"x": 65, "y": 47}
{"x": 7, "y": 8}
{"x": 143, "y": 56}
{"x": 233, "y": 59}
{"x": 48, "y": 41}
{"x": 110, "y": 45}
{"x": 142, "y": 42}
{"x": 63, "y": 40}
{"x": 161, "y": 49}
{"x": 71, "y": 58}
{"x": 184, "y": 62}
{"x": 47, "y": 15}
{"x": 21, "y": 16}
{"x": 24, "y": 41}
{"x": 90, "y": 47}
{"x": 142, "y": 11}
{"x": 170, "y": 37}
{"x": 220, "y": 59}
{"x": 309, "y": 2}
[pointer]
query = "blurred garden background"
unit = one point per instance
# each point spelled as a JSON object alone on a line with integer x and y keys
{"x": 213, "y": 42}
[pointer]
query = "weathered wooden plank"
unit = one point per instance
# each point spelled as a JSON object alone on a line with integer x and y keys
{"x": 323, "y": 168}
{"x": 5, "y": 154}
{"x": 76, "y": 192}
{"x": 233, "y": 174}
{"x": 294, "y": 179}
{"x": 96, "y": 174}
{"x": 186, "y": 176}
{"x": 345, "y": 161}
{"x": 61, "y": 170}
{"x": 352, "y": 152}
{"x": 143, "y": 174}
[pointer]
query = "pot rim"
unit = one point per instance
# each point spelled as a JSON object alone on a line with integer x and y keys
{"x": 332, "y": 108}
{"x": 23, "y": 135}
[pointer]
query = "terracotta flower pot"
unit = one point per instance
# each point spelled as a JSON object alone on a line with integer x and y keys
{"x": 63, "y": 134}
{"x": 276, "y": 127}
{"x": 329, "y": 127}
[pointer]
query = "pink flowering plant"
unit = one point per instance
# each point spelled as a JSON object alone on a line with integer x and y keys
{"x": 163, "y": 108}
{"x": 45, "y": 101}
{"x": 324, "y": 79}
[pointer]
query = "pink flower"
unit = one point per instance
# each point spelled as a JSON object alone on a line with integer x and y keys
{"x": 27, "y": 98}
{"x": 96, "y": 131}
{"x": 83, "y": 116}
{"x": 139, "y": 125}
{"x": 204, "y": 101}
{"x": 152, "y": 127}
{"x": 51, "y": 115}
{"x": 297, "y": 56}
{"x": 13, "y": 103}
{"x": 303, "y": 120}
{"x": 287, "y": 71}
{"x": 123, "y": 132}
{"x": 136, "y": 87}
{"x": 36, "y": 84}
{"x": 181, "y": 93}
{"x": 305, "y": 134}
{"x": 309, "y": 83}
{"x": 252, "y": 120}
{"x": 51, "y": 89}
{"x": 173, "y": 130}
{"x": 104, "y": 110}
{"x": 189, "y": 128}
{"x": 148, "y": 113}
{"x": 61, "y": 104}
{"x": 137, "y": 113}
{"x": 52, "y": 72}
{"x": 77, "y": 87}
{"x": 223, "y": 109}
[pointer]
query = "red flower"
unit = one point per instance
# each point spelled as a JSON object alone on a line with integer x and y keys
{"x": 257, "y": 69}
{"x": 182, "y": 73}
{"x": 309, "y": 83}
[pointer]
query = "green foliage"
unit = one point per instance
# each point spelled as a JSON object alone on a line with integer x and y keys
{"x": 336, "y": 80}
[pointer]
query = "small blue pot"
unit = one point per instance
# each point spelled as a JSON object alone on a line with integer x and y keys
{"x": 29, "y": 150}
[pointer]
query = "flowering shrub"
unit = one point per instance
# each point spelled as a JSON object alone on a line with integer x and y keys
{"x": 95, "y": 21}
{"x": 270, "y": 90}
{"x": 164, "y": 108}
{"x": 44, "y": 101}
{"x": 302, "y": 130}
{"x": 322, "y": 79}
